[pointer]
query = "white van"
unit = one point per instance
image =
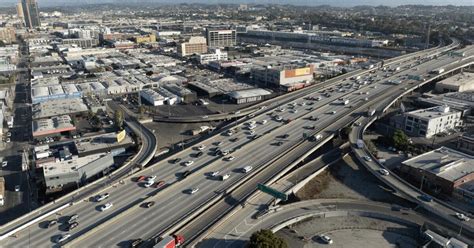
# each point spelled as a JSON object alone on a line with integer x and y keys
{"x": 247, "y": 169}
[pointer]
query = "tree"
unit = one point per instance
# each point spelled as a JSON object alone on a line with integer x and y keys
{"x": 118, "y": 116}
{"x": 400, "y": 140}
{"x": 266, "y": 239}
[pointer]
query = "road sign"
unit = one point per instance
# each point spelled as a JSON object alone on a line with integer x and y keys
{"x": 273, "y": 192}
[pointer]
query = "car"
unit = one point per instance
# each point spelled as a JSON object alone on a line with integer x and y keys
{"x": 425, "y": 198}
{"x": 17, "y": 188}
{"x": 384, "y": 172}
{"x": 193, "y": 190}
{"x": 224, "y": 177}
{"x": 224, "y": 153}
{"x": 250, "y": 115}
{"x": 278, "y": 118}
{"x": 310, "y": 127}
{"x": 367, "y": 158}
{"x": 159, "y": 184}
{"x": 215, "y": 173}
{"x": 136, "y": 243}
{"x": 230, "y": 158}
{"x": 62, "y": 238}
{"x": 218, "y": 143}
{"x": 141, "y": 178}
{"x": 234, "y": 139}
{"x": 8, "y": 140}
{"x": 9, "y": 134}
{"x": 151, "y": 178}
{"x": 51, "y": 223}
{"x": 247, "y": 169}
{"x": 333, "y": 112}
{"x": 72, "y": 218}
{"x": 149, "y": 204}
{"x": 148, "y": 184}
{"x": 72, "y": 226}
{"x": 102, "y": 197}
{"x": 205, "y": 117}
{"x": 263, "y": 122}
{"x": 4, "y": 163}
{"x": 284, "y": 136}
{"x": 279, "y": 143}
{"x": 176, "y": 160}
{"x": 462, "y": 217}
{"x": 357, "y": 124}
{"x": 294, "y": 111}
{"x": 185, "y": 174}
{"x": 106, "y": 206}
{"x": 188, "y": 163}
{"x": 326, "y": 239}
{"x": 199, "y": 154}
{"x": 201, "y": 147}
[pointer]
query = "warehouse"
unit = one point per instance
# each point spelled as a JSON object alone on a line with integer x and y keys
{"x": 53, "y": 125}
{"x": 72, "y": 106}
{"x": 248, "y": 96}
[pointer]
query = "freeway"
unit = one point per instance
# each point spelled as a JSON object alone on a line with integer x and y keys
{"x": 173, "y": 203}
{"x": 173, "y": 206}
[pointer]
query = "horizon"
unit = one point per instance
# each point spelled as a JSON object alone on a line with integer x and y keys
{"x": 334, "y": 3}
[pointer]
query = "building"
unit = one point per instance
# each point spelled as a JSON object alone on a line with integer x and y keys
{"x": 288, "y": 78}
{"x": 221, "y": 38}
{"x": 457, "y": 83}
{"x": 248, "y": 96}
{"x": 431, "y": 121}
{"x": 144, "y": 38}
{"x": 7, "y": 35}
{"x": 81, "y": 42}
{"x": 19, "y": 11}
{"x": 30, "y": 13}
{"x": 195, "y": 45}
{"x": 466, "y": 143}
{"x": 52, "y": 126}
{"x": 217, "y": 55}
{"x": 443, "y": 170}
{"x": 69, "y": 106}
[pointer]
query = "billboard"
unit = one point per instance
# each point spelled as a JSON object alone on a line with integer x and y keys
{"x": 298, "y": 72}
{"x": 121, "y": 136}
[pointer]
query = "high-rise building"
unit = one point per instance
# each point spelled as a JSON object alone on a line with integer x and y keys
{"x": 30, "y": 13}
{"x": 19, "y": 10}
{"x": 195, "y": 45}
{"x": 221, "y": 38}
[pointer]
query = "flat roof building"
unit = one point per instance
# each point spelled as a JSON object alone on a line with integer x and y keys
{"x": 250, "y": 95}
{"x": 53, "y": 125}
{"x": 71, "y": 106}
{"x": 195, "y": 45}
{"x": 457, "y": 83}
{"x": 442, "y": 170}
{"x": 431, "y": 121}
{"x": 221, "y": 37}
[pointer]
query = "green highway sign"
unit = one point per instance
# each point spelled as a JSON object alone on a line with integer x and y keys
{"x": 273, "y": 192}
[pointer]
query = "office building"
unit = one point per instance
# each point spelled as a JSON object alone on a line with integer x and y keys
{"x": 431, "y": 121}
{"x": 221, "y": 38}
{"x": 216, "y": 55}
{"x": 30, "y": 13}
{"x": 195, "y": 45}
{"x": 7, "y": 35}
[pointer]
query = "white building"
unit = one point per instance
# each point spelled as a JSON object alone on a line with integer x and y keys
{"x": 217, "y": 55}
{"x": 431, "y": 121}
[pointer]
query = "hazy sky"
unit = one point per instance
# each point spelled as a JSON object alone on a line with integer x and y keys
{"x": 345, "y": 3}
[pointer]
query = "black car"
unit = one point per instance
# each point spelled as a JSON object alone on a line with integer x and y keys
{"x": 234, "y": 139}
{"x": 217, "y": 153}
{"x": 72, "y": 226}
{"x": 149, "y": 204}
{"x": 52, "y": 223}
{"x": 185, "y": 174}
{"x": 279, "y": 143}
{"x": 197, "y": 155}
{"x": 284, "y": 136}
{"x": 136, "y": 243}
{"x": 176, "y": 160}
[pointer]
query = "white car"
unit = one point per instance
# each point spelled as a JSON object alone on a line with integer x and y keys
{"x": 251, "y": 132}
{"x": 151, "y": 178}
{"x": 247, "y": 169}
{"x": 148, "y": 184}
{"x": 263, "y": 122}
{"x": 230, "y": 158}
{"x": 8, "y": 140}
{"x": 102, "y": 197}
{"x": 17, "y": 188}
{"x": 367, "y": 158}
{"x": 106, "y": 206}
{"x": 193, "y": 190}
{"x": 62, "y": 238}
{"x": 462, "y": 217}
{"x": 384, "y": 172}
{"x": 333, "y": 112}
{"x": 201, "y": 147}
{"x": 278, "y": 118}
{"x": 326, "y": 239}
{"x": 215, "y": 173}
{"x": 188, "y": 163}
{"x": 4, "y": 163}
{"x": 9, "y": 134}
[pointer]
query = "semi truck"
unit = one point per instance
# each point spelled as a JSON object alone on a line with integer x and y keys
{"x": 2, "y": 191}
{"x": 170, "y": 242}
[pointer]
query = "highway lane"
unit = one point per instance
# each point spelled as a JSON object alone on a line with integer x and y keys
{"x": 125, "y": 194}
{"x": 179, "y": 199}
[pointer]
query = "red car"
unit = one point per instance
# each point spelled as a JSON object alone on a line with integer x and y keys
{"x": 141, "y": 178}
{"x": 159, "y": 184}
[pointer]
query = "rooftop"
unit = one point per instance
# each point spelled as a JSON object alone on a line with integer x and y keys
{"x": 249, "y": 93}
{"x": 55, "y": 124}
{"x": 434, "y": 112}
{"x": 460, "y": 79}
{"x": 58, "y": 107}
{"x": 444, "y": 162}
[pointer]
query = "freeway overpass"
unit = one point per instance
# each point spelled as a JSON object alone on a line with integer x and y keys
{"x": 173, "y": 205}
